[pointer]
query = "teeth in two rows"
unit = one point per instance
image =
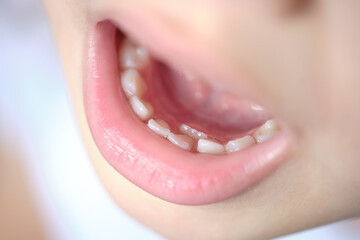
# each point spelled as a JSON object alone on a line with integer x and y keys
{"x": 192, "y": 132}
{"x": 161, "y": 128}
{"x": 133, "y": 59}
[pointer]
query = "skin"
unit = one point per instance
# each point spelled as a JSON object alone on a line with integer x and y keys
{"x": 301, "y": 59}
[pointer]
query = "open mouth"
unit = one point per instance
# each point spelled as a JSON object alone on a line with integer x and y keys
{"x": 169, "y": 130}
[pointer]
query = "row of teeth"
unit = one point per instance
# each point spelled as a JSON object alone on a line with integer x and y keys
{"x": 133, "y": 59}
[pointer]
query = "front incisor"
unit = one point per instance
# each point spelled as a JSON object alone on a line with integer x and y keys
{"x": 210, "y": 147}
{"x": 239, "y": 144}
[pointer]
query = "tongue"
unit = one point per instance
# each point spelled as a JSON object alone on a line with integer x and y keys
{"x": 180, "y": 97}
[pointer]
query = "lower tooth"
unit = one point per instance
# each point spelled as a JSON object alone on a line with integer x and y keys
{"x": 265, "y": 136}
{"x": 192, "y": 132}
{"x": 159, "y": 126}
{"x": 266, "y": 131}
{"x": 133, "y": 56}
{"x": 132, "y": 83}
{"x": 143, "y": 109}
{"x": 183, "y": 141}
{"x": 210, "y": 147}
{"x": 239, "y": 144}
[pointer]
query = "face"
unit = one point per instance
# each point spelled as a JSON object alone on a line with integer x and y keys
{"x": 224, "y": 68}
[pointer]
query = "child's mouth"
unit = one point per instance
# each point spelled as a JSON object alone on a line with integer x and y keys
{"x": 171, "y": 132}
{"x": 181, "y": 107}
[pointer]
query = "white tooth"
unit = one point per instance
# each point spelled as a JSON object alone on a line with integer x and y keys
{"x": 132, "y": 83}
{"x": 143, "y": 109}
{"x": 159, "y": 126}
{"x": 267, "y": 131}
{"x": 192, "y": 132}
{"x": 200, "y": 135}
{"x": 133, "y": 56}
{"x": 183, "y": 141}
{"x": 239, "y": 143}
{"x": 184, "y": 128}
{"x": 209, "y": 146}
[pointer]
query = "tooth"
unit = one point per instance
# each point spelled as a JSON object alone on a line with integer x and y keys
{"x": 209, "y": 146}
{"x": 266, "y": 131}
{"x": 132, "y": 83}
{"x": 192, "y": 132}
{"x": 200, "y": 135}
{"x": 239, "y": 143}
{"x": 133, "y": 56}
{"x": 159, "y": 126}
{"x": 184, "y": 128}
{"x": 183, "y": 141}
{"x": 143, "y": 109}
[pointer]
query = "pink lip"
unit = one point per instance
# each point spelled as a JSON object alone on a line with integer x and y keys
{"x": 150, "y": 162}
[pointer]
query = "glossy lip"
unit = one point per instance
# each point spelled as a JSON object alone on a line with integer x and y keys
{"x": 149, "y": 161}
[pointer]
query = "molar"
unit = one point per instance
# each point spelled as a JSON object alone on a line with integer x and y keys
{"x": 239, "y": 144}
{"x": 210, "y": 147}
{"x": 133, "y": 56}
{"x": 143, "y": 109}
{"x": 183, "y": 141}
{"x": 159, "y": 126}
{"x": 267, "y": 131}
{"x": 132, "y": 83}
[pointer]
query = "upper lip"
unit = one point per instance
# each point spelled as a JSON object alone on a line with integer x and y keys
{"x": 166, "y": 172}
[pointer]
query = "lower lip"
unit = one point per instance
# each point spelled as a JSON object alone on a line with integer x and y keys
{"x": 152, "y": 163}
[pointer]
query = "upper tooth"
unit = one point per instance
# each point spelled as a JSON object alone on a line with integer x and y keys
{"x": 266, "y": 131}
{"x": 182, "y": 141}
{"x": 143, "y": 109}
{"x": 132, "y": 56}
{"x": 159, "y": 126}
{"x": 132, "y": 83}
{"x": 239, "y": 143}
{"x": 209, "y": 146}
{"x": 192, "y": 132}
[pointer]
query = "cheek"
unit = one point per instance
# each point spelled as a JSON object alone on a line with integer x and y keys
{"x": 279, "y": 64}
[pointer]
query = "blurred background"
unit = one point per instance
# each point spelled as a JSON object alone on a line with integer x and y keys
{"x": 48, "y": 190}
